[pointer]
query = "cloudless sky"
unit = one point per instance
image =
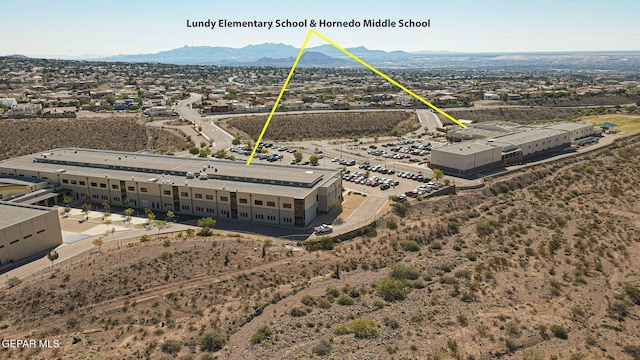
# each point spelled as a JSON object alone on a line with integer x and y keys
{"x": 102, "y": 28}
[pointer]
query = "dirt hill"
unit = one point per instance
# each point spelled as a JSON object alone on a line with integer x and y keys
{"x": 22, "y": 137}
{"x": 539, "y": 264}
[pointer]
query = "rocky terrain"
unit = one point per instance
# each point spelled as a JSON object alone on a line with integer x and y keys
{"x": 539, "y": 264}
{"x": 27, "y": 136}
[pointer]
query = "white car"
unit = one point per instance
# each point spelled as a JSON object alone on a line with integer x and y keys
{"x": 324, "y": 228}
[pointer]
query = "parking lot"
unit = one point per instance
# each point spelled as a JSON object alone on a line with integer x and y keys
{"x": 368, "y": 165}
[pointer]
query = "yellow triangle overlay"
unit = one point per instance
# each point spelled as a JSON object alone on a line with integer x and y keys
{"x": 293, "y": 68}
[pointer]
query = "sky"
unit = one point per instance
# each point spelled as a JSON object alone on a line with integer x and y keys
{"x": 93, "y": 28}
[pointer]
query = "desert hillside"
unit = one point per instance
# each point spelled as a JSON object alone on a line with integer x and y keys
{"x": 28, "y": 136}
{"x": 539, "y": 264}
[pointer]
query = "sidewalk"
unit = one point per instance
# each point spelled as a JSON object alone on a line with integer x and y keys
{"x": 71, "y": 248}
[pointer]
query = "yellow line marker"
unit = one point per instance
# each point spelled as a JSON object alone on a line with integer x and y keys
{"x": 378, "y": 72}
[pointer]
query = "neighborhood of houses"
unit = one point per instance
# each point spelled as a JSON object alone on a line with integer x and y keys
{"x": 59, "y": 89}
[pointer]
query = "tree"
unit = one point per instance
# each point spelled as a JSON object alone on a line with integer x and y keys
{"x": 194, "y": 150}
{"x": 67, "y": 200}
{"x": 106, "y": 207}
{"x": 206, "y": 224}
{"x": 170, "y": 215}
{"x": 107, "y": 222}
{"x": 52, "y": 256}
{"x": 85, "y": 209}
{"x": 128, "y": 213}
{"x": 438, "y": 174}
{"x": 313, "y": 160}
{"x": 98, "y": 242}
{"x": 232, "y": 94}
{"x": 150, "y": 215}
{"x": 235, "y": 141}
{"x": 220, "y": 154}
{"x": 298, "y": 156}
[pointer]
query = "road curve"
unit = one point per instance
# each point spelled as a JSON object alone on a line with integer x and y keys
{"x": 221, "y": 139}
{"x": 429, "y": 120}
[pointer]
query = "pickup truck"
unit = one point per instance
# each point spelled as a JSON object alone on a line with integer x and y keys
{"x": 324, "y": 228}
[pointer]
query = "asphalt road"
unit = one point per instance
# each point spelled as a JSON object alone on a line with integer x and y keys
{"x": 429, "y": 120}
{"x": 221, "y": 139}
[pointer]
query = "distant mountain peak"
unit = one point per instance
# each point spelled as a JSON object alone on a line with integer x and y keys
{"x": 268, "y": 54}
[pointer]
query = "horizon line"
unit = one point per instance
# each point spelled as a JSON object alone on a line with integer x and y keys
{"x": 96, "y": 57}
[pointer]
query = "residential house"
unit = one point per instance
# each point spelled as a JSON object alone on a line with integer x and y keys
{"x": 25, "y": 110}
{"x": 60, "y": 112}
{"x": 216, "y": 107}
{"x": 8, "y": 102}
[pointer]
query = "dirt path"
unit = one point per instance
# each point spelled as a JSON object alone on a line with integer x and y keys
{"x": 114, "y": 304}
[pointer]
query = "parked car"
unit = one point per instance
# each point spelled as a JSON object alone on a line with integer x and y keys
{"x": 412, "y": 193}
{"x": 323, "y": 229}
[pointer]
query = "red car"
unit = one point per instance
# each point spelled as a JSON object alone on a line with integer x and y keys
{"x": 411, "y": 193}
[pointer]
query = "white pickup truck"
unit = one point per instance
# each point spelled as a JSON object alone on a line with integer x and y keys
{"x": 324, "y": 228}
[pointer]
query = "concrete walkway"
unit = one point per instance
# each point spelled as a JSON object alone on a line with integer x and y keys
{"x": 79, "y": 237}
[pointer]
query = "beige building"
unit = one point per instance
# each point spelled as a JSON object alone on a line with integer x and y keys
{"x": 27, "y": 230}
{"x": 262, "y": 193}
{"x": 13, "y": 187}
{"x": 465, "y": 157}
{"x": 498, "y": 144}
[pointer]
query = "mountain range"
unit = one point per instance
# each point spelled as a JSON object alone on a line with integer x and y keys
{"x": 282, "y": 55}
{"x": 268, "y": 54}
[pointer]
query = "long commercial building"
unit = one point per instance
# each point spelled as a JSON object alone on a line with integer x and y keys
{"x": 27, "y": 230}
{"x": 509, "y": 144}
{"x": 270, "y": 194}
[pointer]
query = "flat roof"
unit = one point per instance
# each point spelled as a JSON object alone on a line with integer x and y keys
{"x": 278, "y": 180}
{"x": 527, "y": 135}
{"x": 464, "y": 148}
{"x": 567, "y": 126}
{"x": 168, "y": 164}
{"x": 6, "y": 181}
{"x": 13, "y": 213}
{"x": 477, "y": 132}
